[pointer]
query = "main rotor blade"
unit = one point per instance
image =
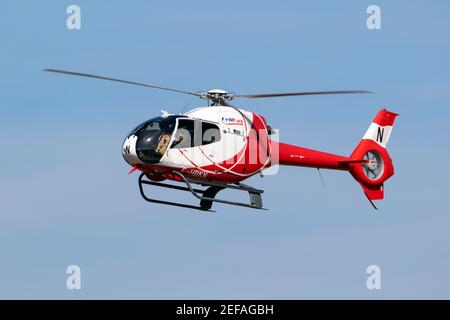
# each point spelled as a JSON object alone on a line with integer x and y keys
{"x": 122, "y": 81}
{"x": 288, "y": 94}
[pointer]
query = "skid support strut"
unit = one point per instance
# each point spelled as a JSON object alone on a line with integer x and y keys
{"x": 206, "y": 196}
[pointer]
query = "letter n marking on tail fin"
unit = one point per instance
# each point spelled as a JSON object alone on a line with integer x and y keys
{"x": 380, "y": 134}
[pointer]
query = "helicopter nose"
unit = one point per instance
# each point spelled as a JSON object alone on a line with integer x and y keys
{"x": 129, "y": 150}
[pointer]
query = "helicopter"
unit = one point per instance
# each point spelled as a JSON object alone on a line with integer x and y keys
{"x": 218, "y": 146}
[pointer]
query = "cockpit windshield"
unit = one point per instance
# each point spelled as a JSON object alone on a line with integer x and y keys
{"x": 153, "y": 138}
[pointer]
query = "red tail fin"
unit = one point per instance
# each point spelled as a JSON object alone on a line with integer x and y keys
{"x": 372, "y": 164}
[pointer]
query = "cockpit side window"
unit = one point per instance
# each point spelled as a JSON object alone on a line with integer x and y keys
{"x": 210, "y": 133}
{"x": 193, "y": 133}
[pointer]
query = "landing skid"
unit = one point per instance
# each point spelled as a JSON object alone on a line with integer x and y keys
{"x": 206, "y": 196}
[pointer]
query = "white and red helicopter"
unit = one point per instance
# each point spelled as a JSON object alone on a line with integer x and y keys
{"x": 219, "y": 145}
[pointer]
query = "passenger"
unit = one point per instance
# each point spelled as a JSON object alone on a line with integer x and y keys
{"x": 177, "y": 141}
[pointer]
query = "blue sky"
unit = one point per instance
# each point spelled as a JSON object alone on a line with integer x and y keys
{"x": 66, "y": 197}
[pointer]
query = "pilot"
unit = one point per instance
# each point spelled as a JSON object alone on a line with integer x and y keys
{"x": 163, "y": 143}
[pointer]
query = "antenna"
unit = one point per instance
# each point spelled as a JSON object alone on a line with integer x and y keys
{"x": 185, "y": 107}
{"x": 320, "y": 175}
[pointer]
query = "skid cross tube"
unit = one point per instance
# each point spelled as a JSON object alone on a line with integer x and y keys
{"x": 207, "y": 196}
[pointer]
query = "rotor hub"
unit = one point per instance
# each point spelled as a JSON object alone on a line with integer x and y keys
{"x": 217, "y": 96}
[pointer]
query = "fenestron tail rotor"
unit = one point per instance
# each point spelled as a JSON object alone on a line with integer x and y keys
{"x": 373, "y": 165}
{"x": 216, "y": 96}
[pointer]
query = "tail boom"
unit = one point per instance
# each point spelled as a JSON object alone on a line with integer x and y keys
{"x": 370, "y": 163}
{"x": 291, "y": 155}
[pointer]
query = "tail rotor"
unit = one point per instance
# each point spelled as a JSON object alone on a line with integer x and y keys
{"x": 372, "y": 165}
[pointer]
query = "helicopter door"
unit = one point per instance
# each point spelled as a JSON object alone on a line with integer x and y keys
{"x": 191, "y": 134}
